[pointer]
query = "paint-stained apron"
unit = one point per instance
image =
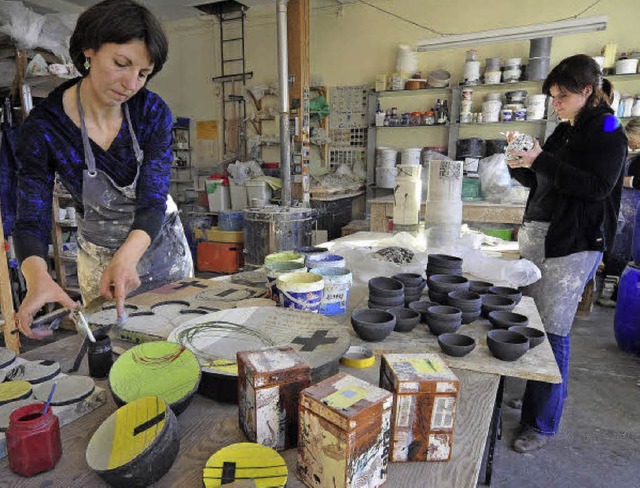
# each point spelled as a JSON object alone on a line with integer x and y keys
{"x": 109, "y": 211}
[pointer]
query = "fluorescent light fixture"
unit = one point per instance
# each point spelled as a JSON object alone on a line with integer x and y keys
{"x": 524, "y": 32}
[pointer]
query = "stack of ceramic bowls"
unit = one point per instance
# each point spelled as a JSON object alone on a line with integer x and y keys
{"x": 443, "y": 264}
{"x": 413, "y": 285}
{"x": 468, "y": 302}
{"x": 440, "y": 286}
{"x": 385, "y": 293}
{"x": 512, "y": 70}
{"x": 536, "y": 105}
{"x": 492, "y": 73}
{"x": 491, "y": 107}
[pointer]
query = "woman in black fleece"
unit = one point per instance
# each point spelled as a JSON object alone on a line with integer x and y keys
{"x": 569, "y": 220}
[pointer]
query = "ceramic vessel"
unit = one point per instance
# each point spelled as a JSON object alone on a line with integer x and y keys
{"x": 385, "y": 287}
{"x": 535, "y": 336}
{"x": 441, "y": 319}
{"x": 505, "y": 291}
{"x": 456, "y": 345}
{"x": 492, "y": 303}
{"x": 503, "y": 320}
{"x": 373, "y": 325}
{"x": 480, "y": 287}
{"x": 444, "y": 283}
{"x": 507, "y": 345}
{"x": 406, "y": 319}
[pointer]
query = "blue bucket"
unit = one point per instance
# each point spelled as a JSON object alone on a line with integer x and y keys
{"x": 301, "y": 291}
{"x": 230, "y": 221}
{"x": 324, "y": 261}
{"x": 337, "y": 284}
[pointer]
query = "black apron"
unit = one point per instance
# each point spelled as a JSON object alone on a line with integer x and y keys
{"x": 109, "y": 211}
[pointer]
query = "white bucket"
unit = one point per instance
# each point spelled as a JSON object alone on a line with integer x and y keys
{"x": 471, "y": 72}
{"x": 385, "y": 177}
{"x": 337, "y": 284}
{"x": 409, "y": 171}
{"x": 386, "y": 157}
{"x": 445, "y": 180}
{"x": 278, "y": 268}
{"x": 538, "y": 99}
{"x": 217, "y": 195}
{"x": 258, "y": 190}
{"x": 239, "y": 200}
{"x": 301, "y": 291}
{"x": 411, "y": 156}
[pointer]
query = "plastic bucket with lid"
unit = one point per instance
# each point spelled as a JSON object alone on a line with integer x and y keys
{"x": 279, "y": 257}
{"x": 278, "y": 268}
{"x": 324, "y": 261}
{"x": 301, "y": 291}
{"x": 337, "y": 284}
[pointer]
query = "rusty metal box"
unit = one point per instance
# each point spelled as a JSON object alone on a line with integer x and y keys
{"x": 425, "y": 398}
{"x": 343, "y": 439}
{"x": 269, "y": 385}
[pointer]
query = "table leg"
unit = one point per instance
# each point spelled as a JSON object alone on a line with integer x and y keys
{"x": 495, "y": 431}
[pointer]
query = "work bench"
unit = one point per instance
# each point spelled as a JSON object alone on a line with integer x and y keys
{"x": 207, "y": 426}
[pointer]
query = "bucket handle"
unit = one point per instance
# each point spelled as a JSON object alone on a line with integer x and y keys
{"x": 304, "y": 304}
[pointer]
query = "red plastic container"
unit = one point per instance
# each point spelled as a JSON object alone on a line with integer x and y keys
{"x": 33, "y": 440}
{"x": 219, "y": 257}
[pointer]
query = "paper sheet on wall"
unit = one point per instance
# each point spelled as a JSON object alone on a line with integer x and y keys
{"x": 207, "y": 130}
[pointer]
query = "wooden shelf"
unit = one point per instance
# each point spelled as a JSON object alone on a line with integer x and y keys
{"x": 413, "y": 126}
{"x": 514, "y": 122}
{"x": 405, "y": 93}
{"x": 514, "y": 85}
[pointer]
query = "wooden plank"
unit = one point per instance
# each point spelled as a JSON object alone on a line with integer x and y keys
{"x": 477, "y": 395}
{"x": 12, "y": 341}
{"x": 537, "y": 364}
{"x": 382, "y": 208}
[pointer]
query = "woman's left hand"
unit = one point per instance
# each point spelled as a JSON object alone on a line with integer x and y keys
{"x": 525, "y": 159}
{"x": 119, "y": 279}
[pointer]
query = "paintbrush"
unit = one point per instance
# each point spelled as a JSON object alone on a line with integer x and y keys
{"x": 46, "y": 406}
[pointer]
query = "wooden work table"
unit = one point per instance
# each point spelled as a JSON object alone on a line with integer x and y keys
{"x": 479, "y": 211}
{"x": 206, "y": 426}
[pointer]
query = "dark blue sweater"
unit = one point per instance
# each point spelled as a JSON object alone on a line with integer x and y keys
{"x": 50, "y": 143}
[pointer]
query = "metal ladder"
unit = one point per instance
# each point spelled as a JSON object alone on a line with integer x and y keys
{"x": 233, "y": 70}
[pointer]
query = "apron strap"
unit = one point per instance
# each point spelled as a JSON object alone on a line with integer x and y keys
{"x": 136, "y": 147}
{"x": 88, "y": 153}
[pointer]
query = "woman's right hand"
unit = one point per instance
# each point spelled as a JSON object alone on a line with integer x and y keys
{"x": 41, "y": 289}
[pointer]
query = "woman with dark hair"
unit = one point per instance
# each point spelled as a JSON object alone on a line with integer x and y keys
{"x": 570, "y": 219}
{"x": 109, "y": 140}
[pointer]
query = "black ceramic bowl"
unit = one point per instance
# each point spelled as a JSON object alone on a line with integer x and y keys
{"x": 469, "y": 317}
{"x": 535, "y": 336}
{"x": 480, "y": 287}
{"x": 439, "y": 298}
{"x": 505, "y": 291}
{"x": 444, "y": 283}
{"x": 467, "y": 301}
{"x": 373, "y": 325}
{"x": 507, "y": 345}
{"x": 492, "y": 303}
{"x": 406, "y": 319}
{"x": 409, "y": 279}
{"x": 421, "y": 306}
{"x": 387, "y": 301}
{"x": 444, "y": 261}
{"x": 503, "y": 320}
{"x": 456, "y": 345}
{"x": 441, "y": 319}
{"x": 377, "y": 306}
{"x": 385, "y": 287}
{"x": 442, "y": 271}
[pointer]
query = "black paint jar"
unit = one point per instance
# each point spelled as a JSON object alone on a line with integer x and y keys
{"x": 100, "y": 357}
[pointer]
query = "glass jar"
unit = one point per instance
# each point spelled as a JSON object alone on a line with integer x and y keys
{"x": 33, "y": 440}
{"x": 416, "y": 118}
{"x": 406, "y": 119}
{"x": 429, "y": 118}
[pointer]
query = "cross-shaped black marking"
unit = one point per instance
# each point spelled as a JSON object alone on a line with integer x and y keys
{"x": 186, "y": 284}
{"x": 318, "y": 338}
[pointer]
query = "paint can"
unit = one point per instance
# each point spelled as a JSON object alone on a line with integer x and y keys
{"x": 325, "y": 261}
{"x": 626, "y": 323}
{"x": 337, "y": 284}
{"x": 279, "y": 268}
{"x": 33, "y": 440}
{"x": 386, "y": 157}
{"x": 301, "y": 291}
{"x": 99, "y": 356}
{"x": 538, "y": 68}
{"x": 540, "y": 47}
{"x": 385, "y": 177}
{"x": 272, "y": 229}
{"x": 230, "y": 221}
{"x": 308, "y": 250}
{"x": 284, "y": 257}
{"x": 411, "y": 156}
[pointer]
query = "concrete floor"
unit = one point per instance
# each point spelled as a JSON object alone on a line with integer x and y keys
{"x": 599, "y": 441}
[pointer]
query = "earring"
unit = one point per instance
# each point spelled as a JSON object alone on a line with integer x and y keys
{"x": 87, "y": 64}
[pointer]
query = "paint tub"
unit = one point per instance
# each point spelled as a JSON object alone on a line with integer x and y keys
{"x": 230, "y": 221}
{"x": 385, "y": 177}
{"x": 286, "y": 256}
{"x": 325, "y": 261}
{"x": 278, "y": 268}
{"x": 273, "y": 229}
{"x": 308, "y": 250}
{"x": 301, "y": 291}
{"x": 337, "y": 284}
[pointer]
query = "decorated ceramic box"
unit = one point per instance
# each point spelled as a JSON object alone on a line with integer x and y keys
{"x": 425, "y": 397}
{"x": 343, "y": 440}
{"x": 269, "y": 385}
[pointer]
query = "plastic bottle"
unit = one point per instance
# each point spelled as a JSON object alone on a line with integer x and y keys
{"x": 379, "y": 116}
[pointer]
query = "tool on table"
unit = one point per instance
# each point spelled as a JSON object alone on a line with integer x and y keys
{"x": 114, "y": 329}
{"x": 52, "y": 321}
{"x": 46, "y": 406}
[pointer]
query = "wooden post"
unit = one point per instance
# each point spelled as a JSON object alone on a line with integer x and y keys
{"x": 298, "y": 41}
{"x": 12, "y": 341}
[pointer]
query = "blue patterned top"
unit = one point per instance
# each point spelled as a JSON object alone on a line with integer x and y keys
{"x": 50, "y": 143}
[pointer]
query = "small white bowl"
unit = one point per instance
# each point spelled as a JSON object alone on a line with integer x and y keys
{"x": 626, "y": 66}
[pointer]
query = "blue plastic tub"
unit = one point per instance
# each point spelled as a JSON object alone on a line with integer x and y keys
{"x": 230, "y": 221}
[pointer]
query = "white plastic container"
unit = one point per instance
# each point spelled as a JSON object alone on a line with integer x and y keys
{"x": 385, "y": 177}
{"x": 411, "y": 156}
{"x": 217, "y": 195}
{"x": 626, "y": 66}
{"x": 239, "y": 200}
{"x": 386, "y": 157}
{"x": 259, "y": 190}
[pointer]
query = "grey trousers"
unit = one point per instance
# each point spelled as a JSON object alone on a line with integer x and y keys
{"x": 557, "y": 294}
